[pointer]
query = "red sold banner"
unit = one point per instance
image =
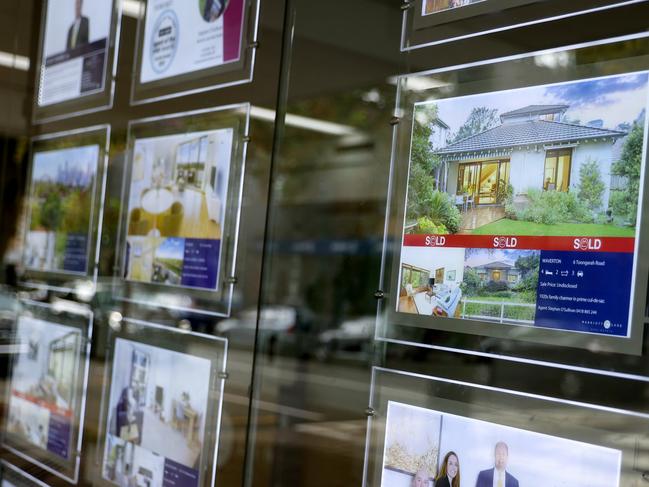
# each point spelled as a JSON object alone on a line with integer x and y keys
{"x": 580, "y": 244}
{"x": 42, "y": 403}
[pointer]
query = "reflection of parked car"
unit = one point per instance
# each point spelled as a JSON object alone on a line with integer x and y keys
{"x": 352, "y": 340}
{"x": 282, "y": 329}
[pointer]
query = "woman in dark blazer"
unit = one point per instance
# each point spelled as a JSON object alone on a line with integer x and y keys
{"x": 449, "y": 472}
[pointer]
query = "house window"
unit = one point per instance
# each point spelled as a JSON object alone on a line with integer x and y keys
{"x": 414, "y": 276}
{"x": 557, "y": 170}
{"x": 512, "y": 278}
{"x": 468, "y": 178}
{"x": 485, "y": 182}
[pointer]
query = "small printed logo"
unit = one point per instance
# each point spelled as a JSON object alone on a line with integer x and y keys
{"x": 164, "y": 41}
{"x": 435, "y": 241}
{"x": 587, "y": 243}
{"x": 505, "y": 242}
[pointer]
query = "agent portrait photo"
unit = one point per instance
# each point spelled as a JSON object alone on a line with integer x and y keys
{"x": 211, "y": 9}
{"x": 78, "y": 33}
{"x": 498, "y": 476}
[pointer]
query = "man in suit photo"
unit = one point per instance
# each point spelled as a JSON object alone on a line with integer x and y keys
{"x": 78, "y": 32}
{"x": 498, "y": 475}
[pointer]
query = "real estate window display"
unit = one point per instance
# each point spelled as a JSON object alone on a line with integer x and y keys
{"x": 487, "y": 178}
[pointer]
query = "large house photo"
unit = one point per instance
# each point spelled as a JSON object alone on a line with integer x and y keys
{"x": 545, "y": 151}
{"x": 498, "y": 154}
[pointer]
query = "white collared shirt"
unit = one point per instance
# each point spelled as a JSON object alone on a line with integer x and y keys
{"x": 496, "y": 477}
{"x": 75, "y": 31}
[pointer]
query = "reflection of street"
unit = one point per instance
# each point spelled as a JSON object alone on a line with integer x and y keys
{"x": 313, "y": 410}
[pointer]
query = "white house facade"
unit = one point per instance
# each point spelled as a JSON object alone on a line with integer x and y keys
{"x": 531, "y": 148}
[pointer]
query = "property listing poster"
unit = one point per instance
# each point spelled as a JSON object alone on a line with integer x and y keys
{"x": 75, "y": 45}
{"x": 435, "y": 6}
{"x": 60, "y": 209}
{"x": 43, "y": 385}
{"x": 523, "y": 206}
{"x": 156, "y": 417}
{"x": 423, "y": 446}
{"x": 177, "y": 207}
{"x": 183, "y": 36}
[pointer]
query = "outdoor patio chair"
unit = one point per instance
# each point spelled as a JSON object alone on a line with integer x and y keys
{"x": 460, "y": 202}
{"x": 469, "y": 203}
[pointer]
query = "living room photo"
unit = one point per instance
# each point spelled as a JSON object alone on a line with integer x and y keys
{"x": 157, "y": 413}
{"x": 177, "y": 201}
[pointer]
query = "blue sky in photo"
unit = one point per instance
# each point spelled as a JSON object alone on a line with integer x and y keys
{"x": 614, "y": 100}
{"x": 48, "y": 166}
{"x": 171, "y": 248}
{"x": 477, "y": 257}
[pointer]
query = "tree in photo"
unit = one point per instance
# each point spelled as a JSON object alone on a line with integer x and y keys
{"x": 471, "y": 284}
{"x": 76, "y": 211}
{"x": 430, "y": 208}
{"x": 591, "y": 186}
{"x": 625, "y": 203}
{"x": 479, "y": 120}
{"x": 50, "y": 214}
{"x": 423, "y": 163}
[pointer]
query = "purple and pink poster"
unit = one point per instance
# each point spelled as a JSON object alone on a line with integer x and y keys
{"x": 182, "y": 37}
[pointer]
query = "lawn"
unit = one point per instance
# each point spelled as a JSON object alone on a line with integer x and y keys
{"x": 517, "y": 227}
{"x": 174, "y": 265}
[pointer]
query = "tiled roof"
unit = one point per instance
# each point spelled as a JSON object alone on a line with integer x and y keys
{"x": 535, "y": 109}
{"x": 495, "y": 265}
{"x": 526, "y": 133}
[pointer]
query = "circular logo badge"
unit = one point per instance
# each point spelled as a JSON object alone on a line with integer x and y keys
{"x": 164, "y": 41}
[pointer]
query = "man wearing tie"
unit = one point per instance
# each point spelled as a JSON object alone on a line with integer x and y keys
{"x": 498, "y": 476}
{"x": 78, "y": 31}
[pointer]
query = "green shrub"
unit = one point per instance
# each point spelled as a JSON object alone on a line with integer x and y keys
{"x": 471, "y": 282}
{"x": 429, "y": 227}
{"x": 511, "y": 212}
{"x": 496, "y": 286}
{"x": 591, "y": 187}
{"x": 551, "y": 207}
{"x": 505, "y": 193}
{"x": 529, "y": 283}
{"x": 440, "y": 209}
{"x": 622, "y": 206}
{"x": 625, "y": 203}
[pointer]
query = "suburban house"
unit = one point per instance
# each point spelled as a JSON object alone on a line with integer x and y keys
{"x": 533, "y": 147}
{"x": 498, "y": 271}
